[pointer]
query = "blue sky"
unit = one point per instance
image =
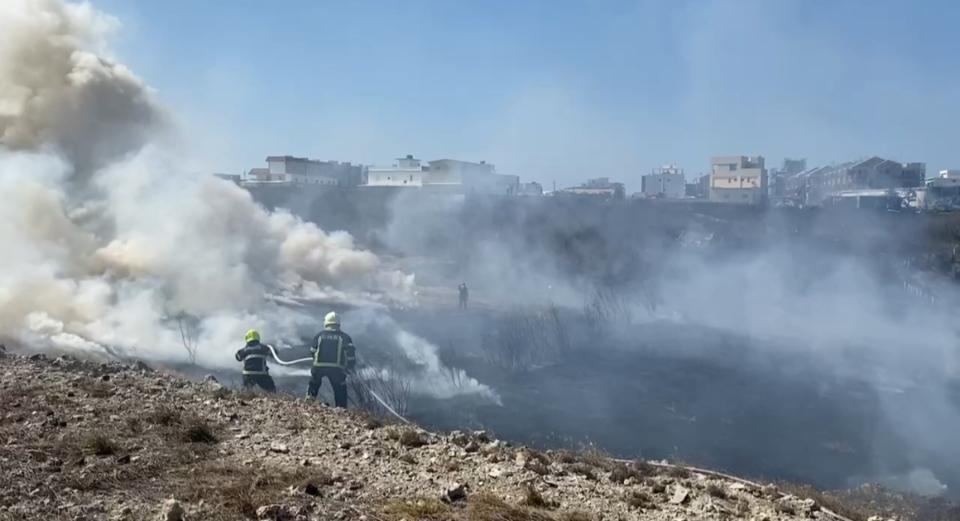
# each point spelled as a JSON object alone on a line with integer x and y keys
{"x": 552, "y": 90}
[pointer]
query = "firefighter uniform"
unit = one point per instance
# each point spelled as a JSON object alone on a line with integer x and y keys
{"x": 254, "y": 357}
{"x": 333, "y": 356}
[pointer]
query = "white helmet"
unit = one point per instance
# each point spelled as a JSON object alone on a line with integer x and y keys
{"x": 332, "y": 319}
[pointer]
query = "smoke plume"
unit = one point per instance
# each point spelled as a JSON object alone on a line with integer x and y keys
{"x": 111, "y": 247}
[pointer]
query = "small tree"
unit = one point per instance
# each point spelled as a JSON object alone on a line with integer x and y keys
{"x": 188, "y": 336}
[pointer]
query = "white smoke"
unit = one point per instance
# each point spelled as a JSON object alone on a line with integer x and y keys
{"x": 110, "y": 246}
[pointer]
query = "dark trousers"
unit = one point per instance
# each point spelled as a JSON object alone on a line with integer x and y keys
{"x": 262, "y": 381}
{"x": 338, "y": 380}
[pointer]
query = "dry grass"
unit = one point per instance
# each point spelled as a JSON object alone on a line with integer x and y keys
{"x": 833, "y": 504}
{"x": 716, "y": 491}
{"x": 412, "y": 438}
{"x": 195, "y": 430}
{"x": 97, "y": 389}
{"x": 426, "y": 509}
{"x": 487, "y": 507}
{"x": 640, "y": 499}
{"x": 99, "y": 445}
{"x": 576, "y": 515}
{"x": 533, "y": 498}
{"x": 234, "y": 491}
{"x": 163, "y": 416}
{"x": 408, "y": 458}
{"x": 584, "y": 470}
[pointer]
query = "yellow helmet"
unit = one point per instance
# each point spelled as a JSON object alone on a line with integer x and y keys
{"x": 252, "y": 335}
{"x": 331, "y": 319}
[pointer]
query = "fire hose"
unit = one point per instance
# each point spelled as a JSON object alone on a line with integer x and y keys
{"x": 362, "y": 383}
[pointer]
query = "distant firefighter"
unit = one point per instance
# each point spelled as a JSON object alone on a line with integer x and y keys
{"x": 464, "y": 294}
{"x": 333, "y": 356}
{"x": 254, "y": 357}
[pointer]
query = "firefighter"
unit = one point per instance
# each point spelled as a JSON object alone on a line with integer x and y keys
{"x": 254, "y": 357}
{"x": 333, "y": 356}
{"x": 464, "y": 295}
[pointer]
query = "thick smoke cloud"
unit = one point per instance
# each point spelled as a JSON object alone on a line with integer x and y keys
{"x": 56, "y": 93}
{"x": 111, "y": 248}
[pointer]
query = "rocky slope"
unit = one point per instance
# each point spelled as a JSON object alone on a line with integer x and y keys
{"x": 84, "y": 440}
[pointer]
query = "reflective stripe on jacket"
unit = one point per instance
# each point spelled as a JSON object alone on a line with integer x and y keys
{"x": 333, "y": 348}
{"x": 254, "y": 357}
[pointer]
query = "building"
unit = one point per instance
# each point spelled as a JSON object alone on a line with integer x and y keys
{"x": 301, "y": 170}
{"x": 666, "y": 182}
{"x": 532, "y": 188}
{"x": 943, "y": 192}
{"x": 444, "y": 175}
{"x": 738, "y": 180}
{"x": 599, "y": 187}
{"x": 815, "y": 186}
{"x": 699, "y": 188}
{"x": 406, "y": 172}
{"x": 779, "y": 176}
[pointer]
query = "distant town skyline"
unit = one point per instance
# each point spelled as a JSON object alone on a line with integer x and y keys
{"x": 552, "y": 91}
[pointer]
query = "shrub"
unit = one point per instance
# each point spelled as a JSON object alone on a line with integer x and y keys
{"x": 533, "y": 498}
{"x": 195, "y": 430}
{"x": 412, "y": 438}
{"x": 640, "y": 499}
{"x": 99, "y": 445}
{"x": 714, "y": 490}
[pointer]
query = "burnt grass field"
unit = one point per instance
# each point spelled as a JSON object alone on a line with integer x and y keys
{"x": 585, "y": 374}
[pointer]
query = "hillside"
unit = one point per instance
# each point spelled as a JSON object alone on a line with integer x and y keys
{"x": 84, "y": 440}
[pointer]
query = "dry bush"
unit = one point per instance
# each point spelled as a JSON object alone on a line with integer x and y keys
{"x": 644, "y": 469}
{"x": 486, "y": 507}
{"x": 563, "y": 456}
{"x": 537, "y": 467}
{"x": 597, "y": 458}
{"x": 163, "y": 416}
{"x": 526, "y": 338}
{"x": 412, "y": 438}
{"x": 716, "y": 491}
{"x": 640, "y": 499}
{"x": 785, "y": 508}
{"x": 621, "y": 473}
{"x": 97, "y": 389}
{"x": 584, "y": 470}
{"x": 679, "y": 473}
{"x": 848, "y": 510}
{"x": 196, "y": 430}
{"x": 408, "y": 458}
{"x": 236, "y": 491}
{"x": 393, "y": 388}
{"x": 424, "y": 508}
{"x": 99, "y": 445}
{"x": 533, "y": 498}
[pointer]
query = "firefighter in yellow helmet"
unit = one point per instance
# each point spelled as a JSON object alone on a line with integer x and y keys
{"x": 333, "y": 356}
{"x": 254, "y": 357}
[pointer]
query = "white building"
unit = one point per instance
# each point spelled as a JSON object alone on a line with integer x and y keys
{"x": 664, "y": 182}
{"x": 444, "y": 175}
{"x": 943, "y": 192}
{"x": 738, "y": 180}
{"x": 290, "y": 170}
{"x": 408, "y": 171}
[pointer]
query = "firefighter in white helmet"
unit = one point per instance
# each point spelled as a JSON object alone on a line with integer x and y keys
{"x": 333, "y": 356}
